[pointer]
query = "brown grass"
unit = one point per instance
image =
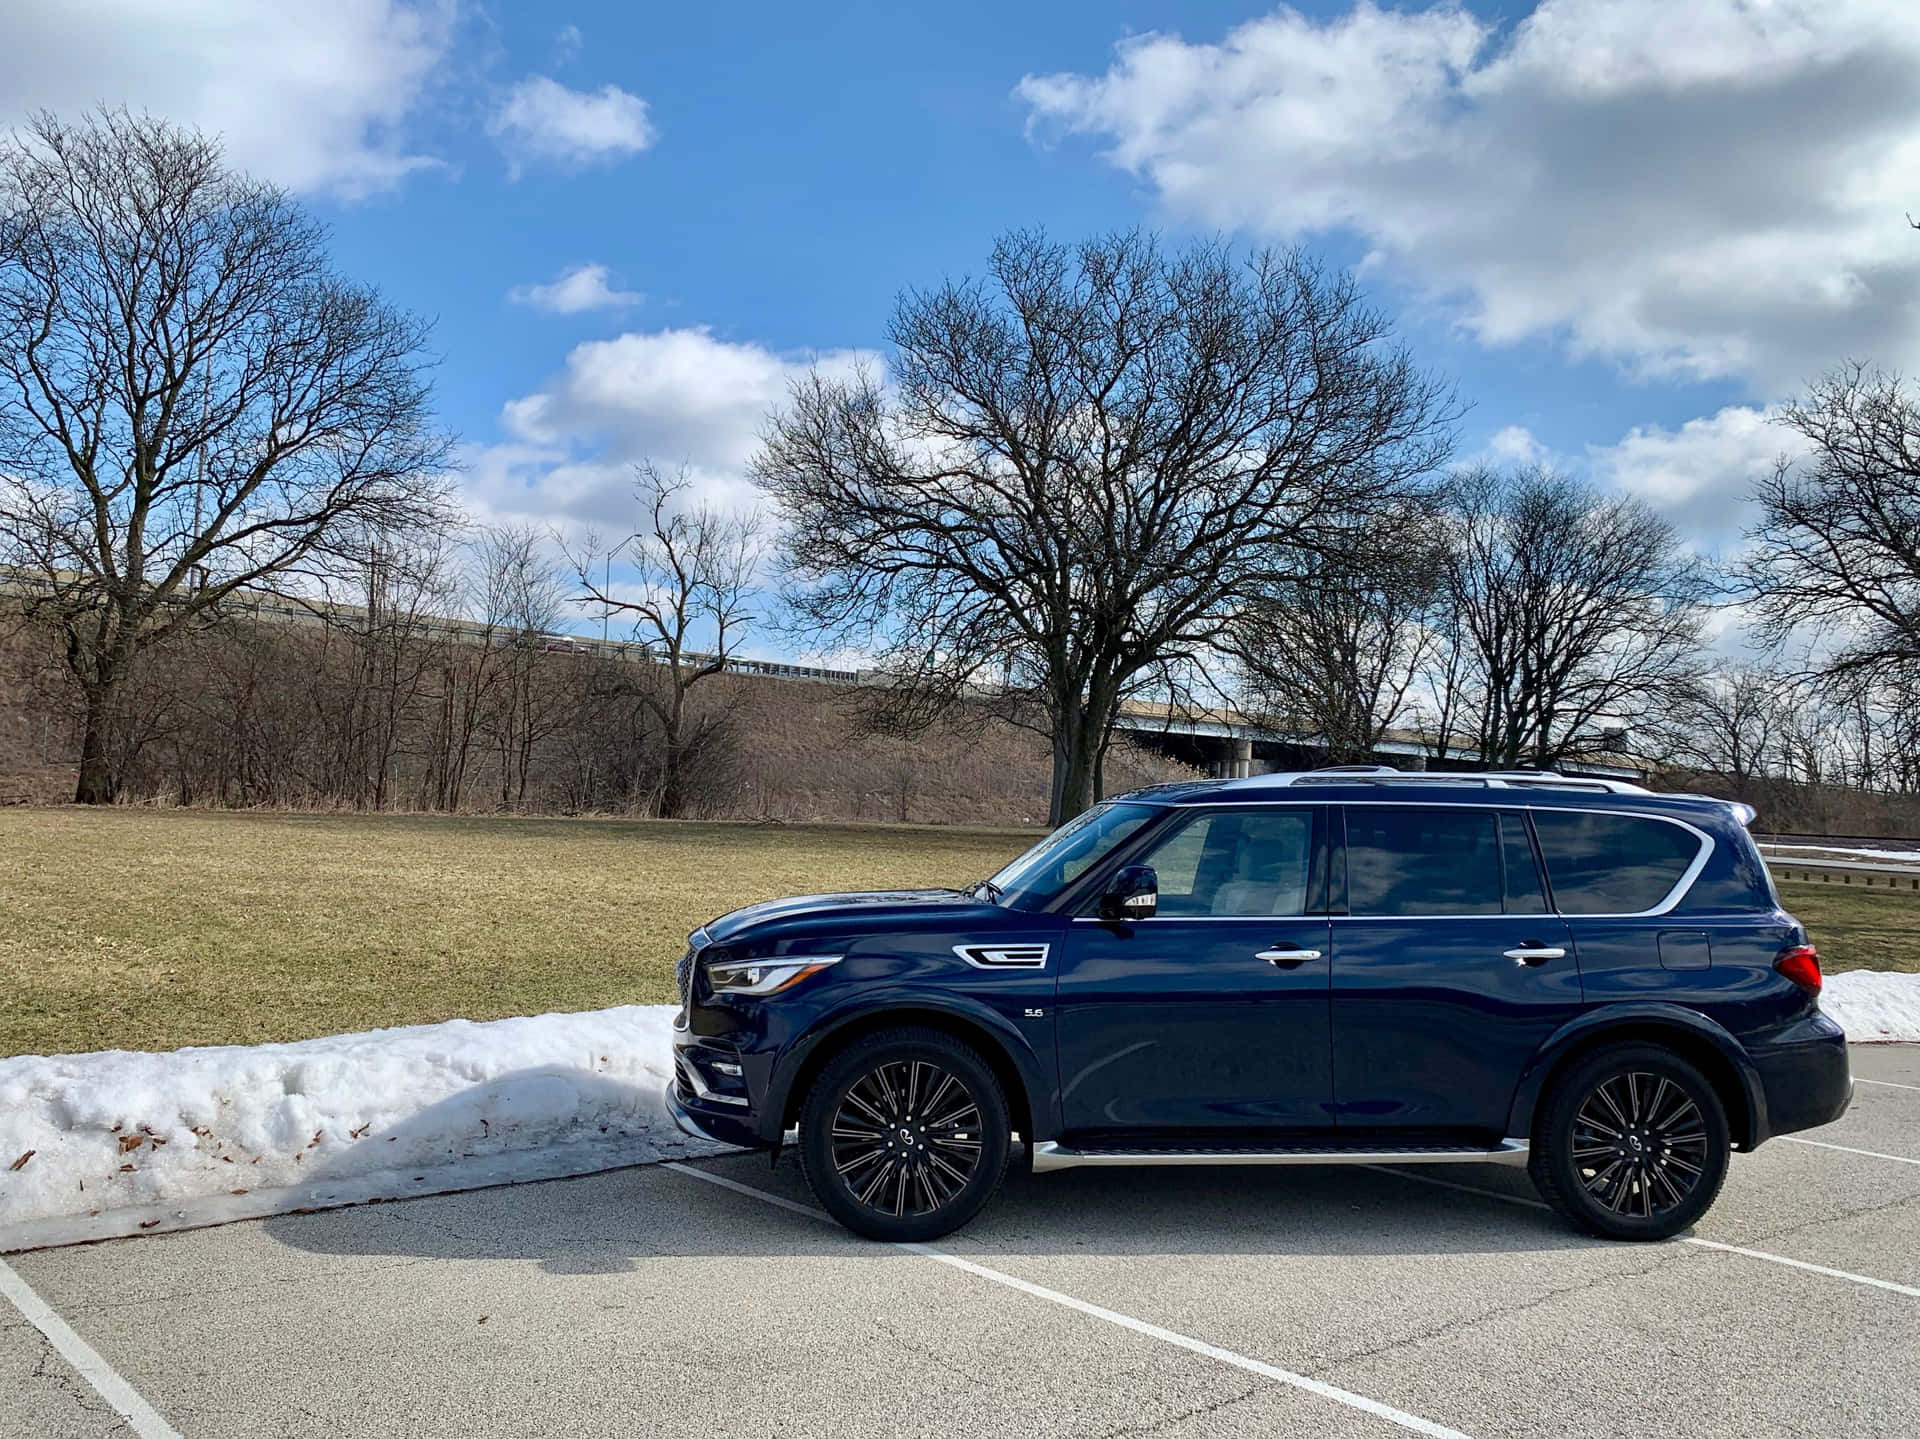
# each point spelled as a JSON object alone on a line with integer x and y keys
{"x": 150, "y": 929}
{"x": 1855, "y": 927}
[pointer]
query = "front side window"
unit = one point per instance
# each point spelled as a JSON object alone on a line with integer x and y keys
{"x": 1423, "y": 861}
{"x": 1601, "y": 863}
{"x": 1236, "y": 862}
{"x": 1066, "y": 854}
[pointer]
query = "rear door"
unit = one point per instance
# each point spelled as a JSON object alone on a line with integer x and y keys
{"x": 1211, "y": 1016}
{"x": 1660, "y": 910}
{"x": 1449, "y": 969}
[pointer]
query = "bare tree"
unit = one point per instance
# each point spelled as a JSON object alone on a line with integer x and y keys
{"x": 1570, "y": 609}
{"x": 191, "y": 401}
{"x": 694, "y": 571}
{"x": 1836, "y": 551}
{"x": 1732, "y": 723}
{"x": 400, "y": 584}
{"x": 524, "y": 598}
{"x": 1337, "y": 649}
{"x": 1085, "y": 468}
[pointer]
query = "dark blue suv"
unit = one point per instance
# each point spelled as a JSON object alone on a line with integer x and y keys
{"x": 1579, "y": 976}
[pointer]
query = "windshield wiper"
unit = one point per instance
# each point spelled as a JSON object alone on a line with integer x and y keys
{"x": 984, "y": 886}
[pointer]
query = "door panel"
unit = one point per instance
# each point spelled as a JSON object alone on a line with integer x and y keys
{"x": 1178, "y": 1023}
{"x": 1175, "y": 1024}
{"x": 1437, "y": 1005}
{"x": 1434, "y": 1024}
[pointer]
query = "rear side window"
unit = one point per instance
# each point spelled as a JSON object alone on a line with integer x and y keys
{"x": 1423, "y": 861}
{"x": 1603, "y": 863}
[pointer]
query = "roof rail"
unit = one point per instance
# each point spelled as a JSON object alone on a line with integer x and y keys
{"x": 1553, "y": 779}
{"x": 1488, "y": 779}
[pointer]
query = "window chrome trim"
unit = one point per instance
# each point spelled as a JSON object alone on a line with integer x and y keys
{"x": 1215, "y": 919}
{"x": 1508, "y": 800}
{"x": 1666, "y": 906}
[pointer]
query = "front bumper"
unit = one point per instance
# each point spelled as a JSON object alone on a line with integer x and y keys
{"x": 714, "y": 1128}
{"x": 1804, "y": 1073}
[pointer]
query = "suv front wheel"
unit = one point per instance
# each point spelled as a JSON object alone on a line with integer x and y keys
{"x": 1631, "y": 1143}
{"x": 905, "y": 1134}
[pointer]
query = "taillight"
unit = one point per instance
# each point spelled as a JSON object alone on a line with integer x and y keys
{"x": 1801, "y": 964}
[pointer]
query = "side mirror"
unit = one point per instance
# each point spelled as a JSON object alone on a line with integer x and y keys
{"x": 1134, "y": 893}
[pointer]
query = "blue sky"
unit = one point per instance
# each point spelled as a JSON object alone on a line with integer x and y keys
{"x": 1626, "y": 229}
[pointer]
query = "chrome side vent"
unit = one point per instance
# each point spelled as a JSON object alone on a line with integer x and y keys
{"x": 1004, "y": 956}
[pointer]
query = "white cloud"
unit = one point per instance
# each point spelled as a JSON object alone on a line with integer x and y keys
{"x": 1701, "y": 475}
{"x": 566, "y": 45}
{"x": 575, "y": 291}
{"x": 542, "y": 120}
{"x": 1515, "y": 445}
{"x": 315, "y": 97}
{"x": 1706, "y": 189}
{"x": 674, "y": 396}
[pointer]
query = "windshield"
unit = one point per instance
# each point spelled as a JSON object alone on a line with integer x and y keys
{"x": 1065, "y": 855}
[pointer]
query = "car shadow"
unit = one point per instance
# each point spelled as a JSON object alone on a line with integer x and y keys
{"x": 614, "y": 1220}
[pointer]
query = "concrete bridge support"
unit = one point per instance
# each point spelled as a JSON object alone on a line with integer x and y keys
{"x": 1236, "y": 759}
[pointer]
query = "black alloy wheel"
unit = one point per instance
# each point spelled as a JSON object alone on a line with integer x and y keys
{"x": 904, "y": 1135}
{"x": 1632, "y": 1143}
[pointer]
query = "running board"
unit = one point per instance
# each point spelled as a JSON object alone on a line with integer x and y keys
{"x": 1049, "y": 1154}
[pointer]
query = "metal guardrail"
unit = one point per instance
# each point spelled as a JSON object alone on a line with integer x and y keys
{"x": 1880, "y": 874}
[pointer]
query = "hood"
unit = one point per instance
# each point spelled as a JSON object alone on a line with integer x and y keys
{"x": 862, "y": 910}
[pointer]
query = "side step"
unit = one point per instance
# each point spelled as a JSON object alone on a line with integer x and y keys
{"x": 1049, "y": 1154}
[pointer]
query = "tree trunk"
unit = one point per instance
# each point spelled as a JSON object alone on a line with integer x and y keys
{"x": 1074, "y": 744}
{"x": 97, "y": 784}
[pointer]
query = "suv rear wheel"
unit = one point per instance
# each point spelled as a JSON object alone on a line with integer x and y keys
{"x": 1631, "y": 1143}
{"x": 905, "y": 1134}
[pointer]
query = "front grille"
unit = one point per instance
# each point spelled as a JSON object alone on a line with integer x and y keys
{"x": 683, "y": 976}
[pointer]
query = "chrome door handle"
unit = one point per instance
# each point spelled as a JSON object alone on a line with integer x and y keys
{"x": 1535, "y": 953}
{"x": 1287, "y": 958}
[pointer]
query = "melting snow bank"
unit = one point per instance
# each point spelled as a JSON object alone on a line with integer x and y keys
{"x": 119, "y": 1143}
{"x": 1874, "y": 1006}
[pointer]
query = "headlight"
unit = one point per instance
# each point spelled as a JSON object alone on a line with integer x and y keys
{"x": 766, "y": 976}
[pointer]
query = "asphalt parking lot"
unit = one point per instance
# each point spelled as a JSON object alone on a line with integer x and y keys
{"x": 710, "y": 1299}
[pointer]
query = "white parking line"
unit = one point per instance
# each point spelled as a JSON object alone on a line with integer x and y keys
{"x": 140, "y": 1415}
{"x": 1886, "y": 1084}
{"x": 1761, "y": 1254}
{"x": 1347, "y": 1397}
{"x": 1847, "y": 1149}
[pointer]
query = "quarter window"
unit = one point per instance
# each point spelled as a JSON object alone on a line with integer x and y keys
{"x": 1603, "y": 863}
{"x": 1236, "y": 862}
{"x": 1423, "y": 861}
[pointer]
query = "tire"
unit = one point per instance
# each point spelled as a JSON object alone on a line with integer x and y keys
{"x": 1631, "y": 1142}
{"x": 933, "y": 1165}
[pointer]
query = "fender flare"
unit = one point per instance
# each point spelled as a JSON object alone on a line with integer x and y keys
{"x": 1596, "y": 1024}
{"x": 876, "y": 1004}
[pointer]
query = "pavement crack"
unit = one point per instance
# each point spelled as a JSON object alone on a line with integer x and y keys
{"x": 1465, "y": 1322}
{"x": 1197, "y": 1411}
{"x": 1831, "y": 1217}
{"x": 50, "y": 1367}
{"x": 931, "y": 1355}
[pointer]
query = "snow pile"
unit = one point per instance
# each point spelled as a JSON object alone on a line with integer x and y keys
{"x": 94, "y": 1145}
{"x": 1874, "y": 1005}
{"x": 97, "y": 1145}
{"x": 1791, "y": 851}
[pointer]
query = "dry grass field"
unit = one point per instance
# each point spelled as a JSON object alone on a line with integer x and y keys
{"x": 1857, "y": 928}
{"x": 150, "y": 929}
